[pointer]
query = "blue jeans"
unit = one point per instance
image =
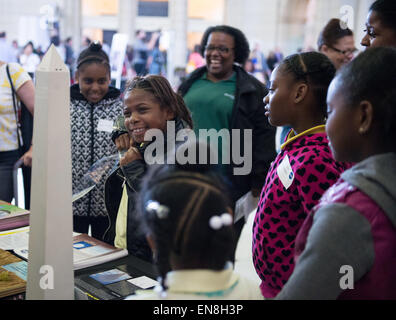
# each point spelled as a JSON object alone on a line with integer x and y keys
{"x": 7, "y": 161}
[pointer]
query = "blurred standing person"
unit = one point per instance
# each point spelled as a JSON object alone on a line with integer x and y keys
{"x": 272, "y": 61}
{"x": 337, "y": 43}
{"x": 7, "y": 52}
{"x": 261, "y": 69}
{"x": 195, "y": 59}
{"x": 142, "y": 50}
{"x": 222, "y": 95}
{"x": 29, "y": 59}
{"x": 9, "y": 135}
{"x": 16, "y": 49}
{"x": 55, "y": 40}
{"x": 86, "y": 41}
{"x": 156, "y": 60}
{"x": 69, "y": 53}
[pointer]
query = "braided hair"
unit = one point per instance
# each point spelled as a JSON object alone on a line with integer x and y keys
{"x": 315, "y": 69}
{"x": 93, "y": 54}
{"x": 184, "y": 237}
{"x": 161, "y": 89}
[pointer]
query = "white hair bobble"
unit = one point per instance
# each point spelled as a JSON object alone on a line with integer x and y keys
{"x": 160, "y": 210}
{"x": 216, "y": 222}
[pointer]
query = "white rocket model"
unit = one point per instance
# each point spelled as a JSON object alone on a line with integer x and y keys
{"x": 50, "y": 266}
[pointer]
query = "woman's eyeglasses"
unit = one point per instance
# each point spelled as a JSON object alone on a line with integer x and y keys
{"x": 220, "y": 49}
{"x": 344, "y": 52}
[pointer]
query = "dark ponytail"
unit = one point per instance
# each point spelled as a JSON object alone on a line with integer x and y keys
{"x": 315, "y": 69}
{"x": 94, "y": 53}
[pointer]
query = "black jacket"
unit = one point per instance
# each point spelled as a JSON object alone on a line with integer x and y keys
{"x": 248, "y": 113}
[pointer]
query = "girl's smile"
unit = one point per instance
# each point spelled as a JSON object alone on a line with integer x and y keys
{"x": 143, "y": 112}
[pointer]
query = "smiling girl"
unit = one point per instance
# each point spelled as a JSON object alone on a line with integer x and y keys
{"x": 94, "y": 106}
{"x": 149, "y": 103}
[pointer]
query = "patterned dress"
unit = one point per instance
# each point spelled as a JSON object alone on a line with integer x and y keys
{"x": 91, "y": 141}
{"x": 281, "y": 211}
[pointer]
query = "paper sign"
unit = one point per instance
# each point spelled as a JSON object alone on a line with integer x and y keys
{"x": 105, "y": 125}
{"x": 143, "y": 282}
{"x": 285, "y": 172}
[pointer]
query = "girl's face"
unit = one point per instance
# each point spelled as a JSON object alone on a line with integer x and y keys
{"x": 94, "y": 81}
{"x": 279, "y": 98}
{"x": 219, "y": 55}
{"x": 378, "y": 35}
{"x": 143, "y": 112}
{"x": 342, "y": 126}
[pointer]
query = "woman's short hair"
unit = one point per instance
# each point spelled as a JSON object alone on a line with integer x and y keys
{"x": 241, "y": 49}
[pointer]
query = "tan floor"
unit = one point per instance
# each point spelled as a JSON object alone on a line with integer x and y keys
{"x": 243, "y": 255}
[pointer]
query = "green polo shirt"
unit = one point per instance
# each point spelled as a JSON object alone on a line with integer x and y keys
{"x": 211, "y": 105}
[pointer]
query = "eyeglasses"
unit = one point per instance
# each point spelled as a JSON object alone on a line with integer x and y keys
{"x": 219, "y": 49}
{"x": 344, "y": 52}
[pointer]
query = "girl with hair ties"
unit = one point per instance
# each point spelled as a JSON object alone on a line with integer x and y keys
{"x": 188, "y": 223}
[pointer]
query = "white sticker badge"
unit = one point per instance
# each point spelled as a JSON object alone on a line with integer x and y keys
{"x": 285, "y": 172}
{"x": 105, "y": 125}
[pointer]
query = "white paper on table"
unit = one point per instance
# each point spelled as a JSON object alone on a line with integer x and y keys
{"x": 15, "y": 238}
{"x": 143, "y": 282}
{"x": 245, "y": 205}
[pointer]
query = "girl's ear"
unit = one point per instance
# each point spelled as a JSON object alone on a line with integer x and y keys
{"x": 366, "y": 116}
{"x": 300, "y": 92}
{"x": 324, "y": 49}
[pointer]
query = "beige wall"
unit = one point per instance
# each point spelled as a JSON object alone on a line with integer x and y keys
{"x": 289, "y": 24}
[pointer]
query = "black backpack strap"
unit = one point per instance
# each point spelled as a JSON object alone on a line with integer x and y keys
{"x": 14, "y": 99}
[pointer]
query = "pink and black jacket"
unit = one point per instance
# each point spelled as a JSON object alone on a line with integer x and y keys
{"x": 281, "y": 212}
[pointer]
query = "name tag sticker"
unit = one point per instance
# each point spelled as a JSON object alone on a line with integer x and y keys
{"x": 285, "y": 172}
{"x": 105, "y": 125}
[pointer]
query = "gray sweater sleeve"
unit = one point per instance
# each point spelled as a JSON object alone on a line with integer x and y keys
{"x": 339, "y": 236}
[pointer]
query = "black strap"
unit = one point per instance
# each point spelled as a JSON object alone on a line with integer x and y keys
{"x": 14, "y": 104}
